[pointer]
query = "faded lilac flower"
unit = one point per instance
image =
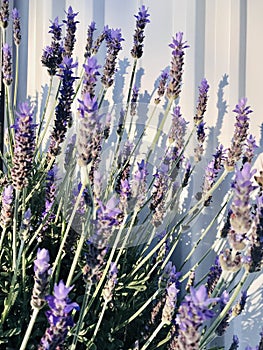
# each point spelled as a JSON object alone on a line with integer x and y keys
{"x": 63, "y": 111}
{"x": 240, "y": 134}
{"x": 52, "y": 55}
{"x": 16, "y": 26}
{"x": 202, "y": 102}
{"x": 24, "y": 146}
{"x": 91, "y": 30}
{"x": 59, "y": 317}
{"x": 141, "y": 21}
{"x": 113, "y": 40}
{"x": 71, "y": 27}
{"x": 162, "y": 85}
{"x": 240, "y": 219}
{"x": 7, "y": 65}
{"x": 7, "y": 207}
{"x": 4, "y": 13}
{"x": 176, "y": 70}
{"x": 41, "y": 278}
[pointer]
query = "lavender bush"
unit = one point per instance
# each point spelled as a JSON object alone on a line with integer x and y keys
{"x": 97, "y": 205}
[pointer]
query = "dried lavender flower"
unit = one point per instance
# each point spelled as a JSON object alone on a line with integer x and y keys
{"x": 16, "y": 26}
{"x": 176, "y": 70}
{"x": 63, "y": 112}
{"x": 4, "y": 13}
{"x": 52, "y": 55}
{"x": 71, "y": 27}
{"x": 7, "y": 207}
{"x": 240, "y": 134}
{"x": 107, "y": 292}
{"x": 59, "y": 317}
{"x": 7, "y": 65}
{"x": 24, "y": 146}
{"x": 141, "y": 21}
{"x": 41, "y": 278}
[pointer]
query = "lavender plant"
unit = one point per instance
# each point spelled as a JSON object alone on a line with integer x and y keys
{"x": 93, "y": 226}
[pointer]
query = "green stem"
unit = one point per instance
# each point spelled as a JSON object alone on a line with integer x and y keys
{"x": 154, "y": 334}
{"x": 2, "y": 237}
{"x": 15, "y": 222}
{"x": 99, "y": 322}
{"x": 16, "y": 76}
{"x": 29, "y": 329}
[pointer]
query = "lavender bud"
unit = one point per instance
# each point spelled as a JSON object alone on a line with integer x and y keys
{"x": 16, "y": 26}
{"x": 25, "y": 225}
{"x": 7, "y": 65}
{"x": 162, "y": 85}
{"x": 91, "y": 30}
{"x": 202, "y": 102}
{"x": 24, "y": 146}
{"x": 90, "y": 76}
{"x": 135, "y": 92}
{"x": 110, "y": 284}
{"x": 249, "y": 152}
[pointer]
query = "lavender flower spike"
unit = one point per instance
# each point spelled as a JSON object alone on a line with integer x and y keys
{"x": 71, "y": 27}
{"x": 91, "y": 30}
{"x": 7, "y": 65}
{"x": 42, "y": 272}
{"x": 7, "y": 207}
{"x": 4, "y": 13}
{"x": 142, "y": 20}
{"x": 59, "y": 317}
{"x": 170, "y": 304}
{"x": 24, "y": 146}
{"x": 240, "y": 218}
{"x": 240, "y": 134}
{"x": 16, "y": 27}
{"x": 176, "y": 70}
{"x": 202, "y": 102}
{"x": 110, "y": 284}
{"x": 162, "y": 85}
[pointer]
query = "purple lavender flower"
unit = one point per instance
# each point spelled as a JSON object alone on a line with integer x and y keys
{"x": 7, "y": 65}
{"x": 71, "y": 27}
{"x": 213, "y": 276}
{"x": 7, "y": 207}
{"x": 202, "y": 102}
{"x": 235, "y": 343}
{"x": 240, "y": 218}
{"x": 162, "y": 85}
{"x": 159, "y": 194}
{"x": 91, "y": 30}
{"x": 113, "y": 39}
{"x": 123, "y": 165}
{"x": 250, "y": 147}
{"x": 240, "y": 134}
{"x": 125, "y": 194}
{"x": 141, "y": 21}
{"x": 4, "y": 13}
{"x": 90, "y": 76}
{"x": 25, "y": 225}
{"x": 41, "y": 277}
{"x": 99, "y": 41}
{"x": 16, "y": 26}
{"x": 193, "y": 311}
{"x": 52, "y": 55}
{"x": 211, "y": 173}
{"x": 90, "y": 131}
{"x": 176, "y": 70}
{"x": 107, "y": 292}
{"x": 139, "y": 187}
{"x": 63, "y": 112}
{"x": 24, "y": 146}
{"x": 170, "y": 303}
{"x": 199, "y": 149}
{"x": 135, "y": 93}
{"x": 230, "y": 261}
{"x": 59, "y": 317}
{"x": 239, "y": 307}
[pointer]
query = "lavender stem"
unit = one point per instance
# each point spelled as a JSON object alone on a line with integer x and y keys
{"x": 29, "y": 328}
